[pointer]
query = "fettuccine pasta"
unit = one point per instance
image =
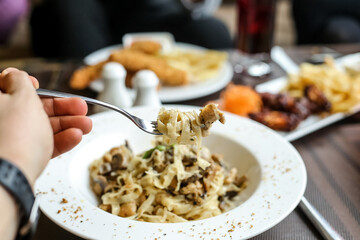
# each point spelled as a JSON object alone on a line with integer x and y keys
{"x": 178, "y": 180}
{"x": 168, "y": 183}
{"x": 188, "y": 127}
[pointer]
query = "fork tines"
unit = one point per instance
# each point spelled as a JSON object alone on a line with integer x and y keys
{"x": 154, "y": 125}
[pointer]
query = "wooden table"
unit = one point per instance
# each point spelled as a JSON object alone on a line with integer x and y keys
{"x": 331, "y": 155}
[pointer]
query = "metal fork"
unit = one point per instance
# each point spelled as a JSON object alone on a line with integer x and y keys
{"x": 146, "y": 126}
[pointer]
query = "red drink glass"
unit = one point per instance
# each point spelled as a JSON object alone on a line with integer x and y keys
{"x": 255, "y": 25}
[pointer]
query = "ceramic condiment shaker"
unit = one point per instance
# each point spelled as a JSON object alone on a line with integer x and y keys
{"x": 146, "y": 83}
{"x": 113, "y": 76}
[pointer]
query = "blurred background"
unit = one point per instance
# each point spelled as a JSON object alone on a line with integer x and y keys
{"x": 18, "y": 43}
{"x": 302, "y": 27}
{"x": 297, "y": 22}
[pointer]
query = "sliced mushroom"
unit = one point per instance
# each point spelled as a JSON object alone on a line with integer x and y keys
{"x": 99, "y": 185}
{"x": 105, "y": 168}
{"x": 189, "y": 160}
{"x": 192, "y": 168}
{"x": 118, "y": 162}
{"x": 231, "y": 194}
{"x": 191, "y": 179}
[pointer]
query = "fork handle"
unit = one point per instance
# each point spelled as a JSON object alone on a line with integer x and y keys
{"x": 50, "y": 93}
{"x": 319, "y": 221}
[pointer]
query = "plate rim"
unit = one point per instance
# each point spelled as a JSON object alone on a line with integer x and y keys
{"x": 298, "y": 160}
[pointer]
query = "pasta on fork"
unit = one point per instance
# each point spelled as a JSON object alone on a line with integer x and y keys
{"x": 188, "y": 127}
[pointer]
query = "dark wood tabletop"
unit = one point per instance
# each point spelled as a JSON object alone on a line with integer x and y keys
{"x": 331, "y": 155}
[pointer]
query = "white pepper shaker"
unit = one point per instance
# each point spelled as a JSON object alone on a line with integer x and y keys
{"x": 146, "y": 83}
{"x": 113, "y": 76}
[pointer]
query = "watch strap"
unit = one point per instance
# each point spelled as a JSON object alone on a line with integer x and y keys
{"x": 14, "y": 181}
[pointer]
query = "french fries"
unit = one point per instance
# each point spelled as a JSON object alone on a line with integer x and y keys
{"x": 341, "y": 88}
{"x": 200, "y": 65}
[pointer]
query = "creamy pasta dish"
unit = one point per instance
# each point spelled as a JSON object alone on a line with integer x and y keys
{"x": 167, "y": 183}
{"x": 188, "y": 127}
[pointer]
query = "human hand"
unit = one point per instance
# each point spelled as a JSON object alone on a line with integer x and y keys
{"x": 68, "y": 120}
{"x": 27, "y": 137}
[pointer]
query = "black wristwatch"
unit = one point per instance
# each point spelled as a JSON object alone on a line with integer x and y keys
{"x": 14, "y": 181}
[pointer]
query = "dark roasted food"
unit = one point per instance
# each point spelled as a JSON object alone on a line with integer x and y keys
{"x": 283, "y": 112}
{"x": 318, "y": 101}
{"x": 280, "y": 121}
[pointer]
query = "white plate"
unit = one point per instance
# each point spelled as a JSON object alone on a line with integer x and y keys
{"x": 276, "y": 172}
{"x": 351, "y": 61}
{"x": 171, "y": 94}
{"x": 314, "y": 122}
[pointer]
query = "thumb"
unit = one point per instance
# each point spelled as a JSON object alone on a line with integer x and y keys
{"x": 13, "y": 80}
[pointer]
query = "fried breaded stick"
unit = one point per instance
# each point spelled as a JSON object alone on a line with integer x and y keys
{"x": 133, "y": 61}
{"x": 82, "y": 77}
{"x": 136, "y": 61}
{"x": 148, "y": 47}
{"x": 128, "y": 79}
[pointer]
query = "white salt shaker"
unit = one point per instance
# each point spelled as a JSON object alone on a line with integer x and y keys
{"x": 115, "y": 93}
{"x": 146, "y": 83}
